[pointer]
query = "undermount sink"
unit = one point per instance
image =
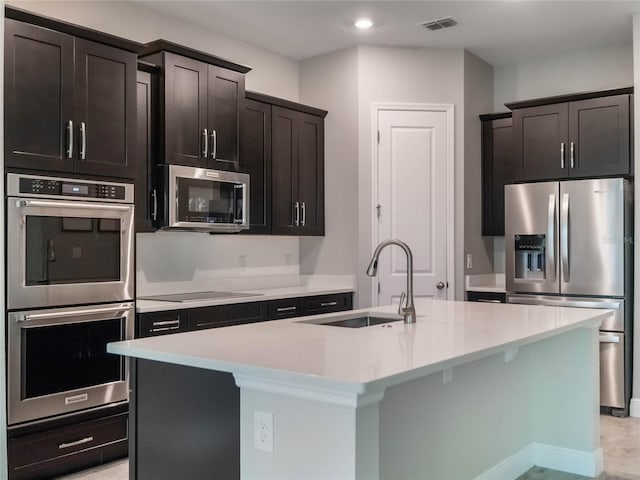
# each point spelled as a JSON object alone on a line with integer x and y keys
{"x": 361, "y": 322}
{"x": 353, "y": 321}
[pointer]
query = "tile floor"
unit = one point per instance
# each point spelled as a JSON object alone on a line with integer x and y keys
{"x": 620, "y": 439}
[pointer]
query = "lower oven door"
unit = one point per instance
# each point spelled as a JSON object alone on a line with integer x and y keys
{"x": 58, "y": 361}
{"x": 68, "y": 253}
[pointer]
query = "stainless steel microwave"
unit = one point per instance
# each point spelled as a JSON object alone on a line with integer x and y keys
{"x": 201, "y": 199}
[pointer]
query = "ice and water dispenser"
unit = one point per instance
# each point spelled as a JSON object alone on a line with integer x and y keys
{"x": 530, "y": 251}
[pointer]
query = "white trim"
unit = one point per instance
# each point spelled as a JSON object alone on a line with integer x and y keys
{"x": 323, "y": 395}
{"x": 448, "y": 108}
{"x": 634, "y": 407}
{"x": 547, "y": 456}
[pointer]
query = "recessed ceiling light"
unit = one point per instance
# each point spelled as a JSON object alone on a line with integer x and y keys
{"x": 363, "y": 23}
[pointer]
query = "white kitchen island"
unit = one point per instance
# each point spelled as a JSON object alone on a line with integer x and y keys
{"x": 471, "y": 390}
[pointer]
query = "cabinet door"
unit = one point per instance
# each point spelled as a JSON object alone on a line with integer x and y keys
{"x": 284, "y": 161}
{"x": 311, "y": 174}
{"x": 225, "y": 94}
{"x": 599, "y": 135}
{"x": 185, "y": 116}
{"x": 541, "y": 138}
{"x": 105, "y": 96}
{"x": 38, "y": 97}
{"x": 497, "y": 171}
{"x": 255, "y": 157}
{"x": 143, "y": 201}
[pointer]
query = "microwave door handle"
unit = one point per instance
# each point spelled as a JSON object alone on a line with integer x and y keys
{"x": 564, "y": 236}
{"x": 54, "y": 204}
{"x": 88, "y": 311}
{"x": 551, "y": 241}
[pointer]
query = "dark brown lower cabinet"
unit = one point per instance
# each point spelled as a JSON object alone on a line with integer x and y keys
{"x": 38, "y": 452}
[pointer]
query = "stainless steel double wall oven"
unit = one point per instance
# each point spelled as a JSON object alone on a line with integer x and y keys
{"x": 70, "y": 291}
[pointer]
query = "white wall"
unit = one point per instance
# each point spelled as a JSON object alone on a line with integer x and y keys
{"x": 406, "y": 75}
{"x": 331, "y": 82}
{"x": 582, "y": 71}
{"x": 272, "y": 74}
{"x": 478, "y": 99}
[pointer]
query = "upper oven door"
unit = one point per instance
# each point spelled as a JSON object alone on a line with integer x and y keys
{"x": 68, "y": 252}
{"x": 208, "y": 199}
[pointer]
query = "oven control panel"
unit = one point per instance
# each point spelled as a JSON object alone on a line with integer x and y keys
{"x": 52, "y": 187}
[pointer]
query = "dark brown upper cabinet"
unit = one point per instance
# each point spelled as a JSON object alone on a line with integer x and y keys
{"x": 298, "y": 172}
{"x": 497, "y": 169}
{"x": 575, "y": 136}
{"x": 70, "y": 103}
{"x": 201, "y": 100}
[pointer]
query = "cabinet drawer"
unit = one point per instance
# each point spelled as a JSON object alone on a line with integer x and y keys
{"x": 285, "y": 308}
{"x": 161, "y": 323}
{"x": 327, "y": 303}
{"x": 226, "y": 315}
{"x": 41, "y": 454}
{"x": 487, "y": 297}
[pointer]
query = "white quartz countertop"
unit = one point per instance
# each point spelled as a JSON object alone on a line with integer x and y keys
{"x": 490, "y": 282}
{"x": 300, "y": 353}
{"x": 254, "y": 295}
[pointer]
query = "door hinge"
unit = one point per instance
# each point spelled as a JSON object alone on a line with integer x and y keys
{"x": 378, "y": 137}
{"x": 378, "y": 288}
{"x": 378, "y": 208}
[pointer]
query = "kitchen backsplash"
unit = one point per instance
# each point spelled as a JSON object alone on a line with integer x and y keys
{"x": 172, "y": 262}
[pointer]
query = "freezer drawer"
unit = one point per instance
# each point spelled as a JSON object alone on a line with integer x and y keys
{"x": 612, "y": 370}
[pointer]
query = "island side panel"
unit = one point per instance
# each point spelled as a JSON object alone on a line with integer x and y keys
{"x": 312, "y": 439}
{"x": 565, "y": 392}
{"x": 186, "y": 423}
{"x": 458, "y": 427}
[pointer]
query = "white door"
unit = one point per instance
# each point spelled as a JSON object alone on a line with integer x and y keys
{"x": 412, "y": 180}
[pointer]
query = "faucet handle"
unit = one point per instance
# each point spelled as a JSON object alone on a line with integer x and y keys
{"x": 403, "y": 296}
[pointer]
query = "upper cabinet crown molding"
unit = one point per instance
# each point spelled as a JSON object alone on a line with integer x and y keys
{"x": 167, "y": 46}
{"x": 72, "y": 29}
{"x": 536, "y": 102}
{"x": 280, "y": 102}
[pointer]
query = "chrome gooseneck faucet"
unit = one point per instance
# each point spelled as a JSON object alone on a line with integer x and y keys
{"x": 406, "y": 307}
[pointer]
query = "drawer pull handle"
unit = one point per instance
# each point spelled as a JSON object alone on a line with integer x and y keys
{"x": 76, "y": 443}
{"x": 329, "y": 304}
{"x": 286, "y": 309}
{"x": 164, "y": 329}
{"x": 486, "y": 300}
{"x": 166, "y": 322}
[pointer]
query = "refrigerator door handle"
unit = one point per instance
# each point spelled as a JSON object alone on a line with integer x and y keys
{"x": 551, "y": 241}
{"x": 609, "y": 338}
{"x": 564, "y": 236}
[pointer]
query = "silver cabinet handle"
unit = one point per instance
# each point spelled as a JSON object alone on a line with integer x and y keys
{"x": 286, "y": 309}
{"x": 564, "y": 303}
{"x": 89, "y": 311}
{"x": 163, "y": 329}
{"x": 92, "y": 206}
{"x": 562, "y": 155}
{"x": 163, "y": 323}
{"x": 551, "y": 245}
{"x": 304, "y": 214}
{"x": 608, "y": 339}
{"x": 486, "y": 300}
{"x": 572, "y": 155}
{"x": 70, "y": 139}
{"x": 76, "y": 443}
{"x": 297, "y": 207}
{"x": 205, "y": 146}
{"x": 154, "y": 212}
{"x": 564, "y": 236}
{"x": 83, "y": 141}
{"x": 329, "y": 304}
{"x": 214, "y": 144}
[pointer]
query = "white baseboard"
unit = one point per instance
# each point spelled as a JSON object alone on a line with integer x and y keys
{"x": 634, "y": 407}
{"x": 548, "y": 456}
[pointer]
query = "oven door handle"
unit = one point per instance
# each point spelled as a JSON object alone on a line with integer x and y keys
{"x": 93, "y": 206}
{"x": 88, "y": 311}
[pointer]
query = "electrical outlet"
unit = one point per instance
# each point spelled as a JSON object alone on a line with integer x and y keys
{"x": 469, "y": 261}
{"x": 263, "y": 431}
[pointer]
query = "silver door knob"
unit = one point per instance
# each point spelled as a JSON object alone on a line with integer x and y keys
{"x": 440, "y": 285}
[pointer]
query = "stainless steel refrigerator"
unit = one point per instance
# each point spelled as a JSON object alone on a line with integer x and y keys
{"x": 569, "y": 244}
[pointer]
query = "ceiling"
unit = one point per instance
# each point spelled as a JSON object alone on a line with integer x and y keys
{"x": 500, "y": 32}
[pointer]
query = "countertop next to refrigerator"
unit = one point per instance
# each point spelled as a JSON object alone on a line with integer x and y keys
{"x": 487, "y": 282}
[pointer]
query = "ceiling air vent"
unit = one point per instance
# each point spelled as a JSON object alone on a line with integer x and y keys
{"x": 439, "y": 24}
